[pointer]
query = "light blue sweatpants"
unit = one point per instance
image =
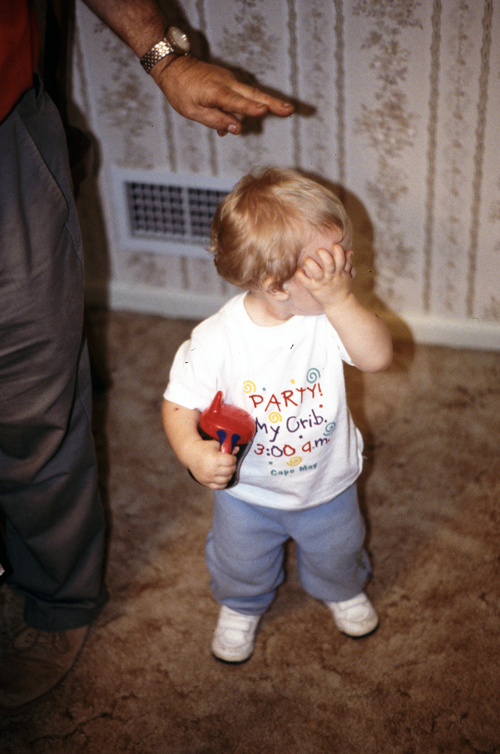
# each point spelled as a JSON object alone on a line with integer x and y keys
{"x": 245, "y": 551}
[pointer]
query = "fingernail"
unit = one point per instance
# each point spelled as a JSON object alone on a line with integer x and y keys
{"x": 232, "y": 128}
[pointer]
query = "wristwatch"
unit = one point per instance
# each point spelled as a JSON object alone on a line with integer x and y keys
{"x": 175, "y": 42}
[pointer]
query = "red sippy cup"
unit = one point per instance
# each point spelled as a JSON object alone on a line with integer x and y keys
{"x": 230, "y": 425}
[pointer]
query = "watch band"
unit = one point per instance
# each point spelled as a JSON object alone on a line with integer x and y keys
{"x": 174, "y": 42}
{"x": 156, "y": 53}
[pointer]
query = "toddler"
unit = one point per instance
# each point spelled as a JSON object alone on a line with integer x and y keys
{"x": 277, "y": 350}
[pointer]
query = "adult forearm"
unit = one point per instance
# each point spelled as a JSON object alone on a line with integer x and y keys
{"x": 139, "y": 23}
{"x": 205, "y": 93}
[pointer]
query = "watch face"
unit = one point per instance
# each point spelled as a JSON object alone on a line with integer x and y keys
{"x": 179, "y": 40}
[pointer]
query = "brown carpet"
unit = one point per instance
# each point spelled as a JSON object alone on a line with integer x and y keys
{"x": 428, "y": 681}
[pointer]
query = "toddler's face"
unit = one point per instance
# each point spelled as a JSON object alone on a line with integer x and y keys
{"x": 300, "y": 300}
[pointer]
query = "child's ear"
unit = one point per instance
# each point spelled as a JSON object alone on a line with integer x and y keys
{"x": 271, "y": 289}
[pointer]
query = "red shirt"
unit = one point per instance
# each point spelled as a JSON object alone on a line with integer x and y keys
{"x": 19, "y": 48}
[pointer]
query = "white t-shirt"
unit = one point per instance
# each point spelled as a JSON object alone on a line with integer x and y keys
{"x": 290, "y": 379}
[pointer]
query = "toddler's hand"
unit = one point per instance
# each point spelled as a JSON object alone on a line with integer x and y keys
{"x": 327, "y": 275}
{"x": 210, "y": 467}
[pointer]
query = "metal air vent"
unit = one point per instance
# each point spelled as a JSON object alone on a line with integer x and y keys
{"x": 166, "y": 213}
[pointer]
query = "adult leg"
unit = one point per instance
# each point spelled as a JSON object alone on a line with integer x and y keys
{"x": 54, "y": 519}
{"x": 48, "y": 478}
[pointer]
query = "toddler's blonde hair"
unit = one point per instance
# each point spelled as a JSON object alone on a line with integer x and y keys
{"x": 262, "y": 226}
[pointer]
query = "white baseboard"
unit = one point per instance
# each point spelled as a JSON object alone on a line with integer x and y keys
{"x": 146, "y": 299}
{"x": 453, "y": 333}
{"x": 428, "y": 329}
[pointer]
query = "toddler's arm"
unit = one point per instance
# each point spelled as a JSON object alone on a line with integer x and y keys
{"x": 203, "y": 458}
{"x": 365, "y": 337}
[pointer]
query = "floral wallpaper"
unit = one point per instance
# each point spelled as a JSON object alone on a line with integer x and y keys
{"x": 462, "y": 116}
{"x": 397, "y": 105}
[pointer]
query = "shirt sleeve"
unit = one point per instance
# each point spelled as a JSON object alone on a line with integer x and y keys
{"x": 193, "y": 380}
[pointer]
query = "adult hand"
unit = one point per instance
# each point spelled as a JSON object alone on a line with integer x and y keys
{"x": 199, "y": 91}
{"x": 211, "y": 95}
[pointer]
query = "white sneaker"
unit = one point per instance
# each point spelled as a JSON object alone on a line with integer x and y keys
{"x": 356, "y": 617}
{"x": 234, "y": 635}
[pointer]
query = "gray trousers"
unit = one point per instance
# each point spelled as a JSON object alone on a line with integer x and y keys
{"x": 54, "y": 519}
